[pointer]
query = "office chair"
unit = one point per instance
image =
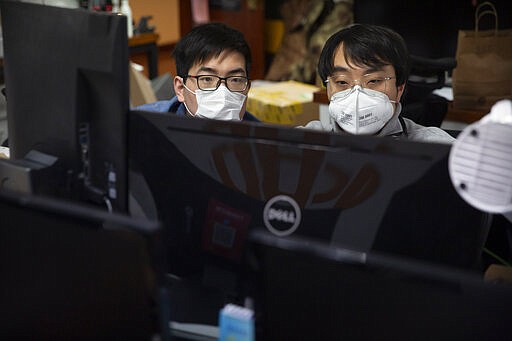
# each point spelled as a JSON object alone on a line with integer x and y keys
{"x": 419, "y": 102}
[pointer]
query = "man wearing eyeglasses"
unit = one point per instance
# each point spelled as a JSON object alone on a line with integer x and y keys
{"x": 212, "y": 64}
{"x": 365, "y": 69}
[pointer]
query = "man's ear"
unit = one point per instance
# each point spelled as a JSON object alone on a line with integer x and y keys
{"x": 400, "y": 92}
{"x": 179, "y": 88}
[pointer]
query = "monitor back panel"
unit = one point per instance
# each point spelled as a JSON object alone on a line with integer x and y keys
{"x": 66, "y": 79}
{"x": 70, "y": 272}
{"x": 308, "y": 291}
{"x": 211, "y": 182}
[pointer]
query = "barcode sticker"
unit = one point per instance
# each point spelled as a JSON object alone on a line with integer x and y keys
{"x": 223, "y": 235}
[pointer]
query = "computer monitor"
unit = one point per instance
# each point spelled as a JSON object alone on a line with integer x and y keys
{"x": 308, "y": 290}
{"x": 210, "y": 182}
{"x": 67, "y": 91}
{"x": 72, "y": 272}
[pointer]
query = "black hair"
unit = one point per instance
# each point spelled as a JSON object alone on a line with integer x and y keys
{"x": 365, "y": 44}
{"x": 208, "y": 41}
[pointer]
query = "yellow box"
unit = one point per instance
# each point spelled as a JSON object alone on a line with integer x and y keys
{"x": 287, "y": 102}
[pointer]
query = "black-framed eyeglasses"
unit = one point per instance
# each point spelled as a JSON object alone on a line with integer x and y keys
{"x": 212, "y": 82}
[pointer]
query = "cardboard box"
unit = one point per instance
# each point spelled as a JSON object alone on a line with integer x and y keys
{"x": 287, "y": 102}
{"x": 141, "y": 91}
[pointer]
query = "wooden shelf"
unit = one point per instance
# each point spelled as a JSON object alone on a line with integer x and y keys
{"x": 464, "y": 115}
{"x": 143, "y": 39}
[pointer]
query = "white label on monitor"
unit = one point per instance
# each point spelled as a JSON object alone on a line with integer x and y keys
{"x": 223, "y": 235}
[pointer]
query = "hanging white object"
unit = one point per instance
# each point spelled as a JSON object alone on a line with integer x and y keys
{"x": 480, "y": 163}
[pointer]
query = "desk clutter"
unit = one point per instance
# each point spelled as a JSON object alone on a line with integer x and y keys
{"x": 4, "y": 152}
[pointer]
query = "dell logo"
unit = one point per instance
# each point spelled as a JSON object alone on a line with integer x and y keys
{"x": 282, "y": 215}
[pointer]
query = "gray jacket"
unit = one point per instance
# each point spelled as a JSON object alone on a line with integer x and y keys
{"x": 397, "y": 126}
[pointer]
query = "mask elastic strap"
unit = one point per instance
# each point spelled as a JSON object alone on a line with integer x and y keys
{"x": 188, "y": 111}
{"x": 186, "y": 87}
{"x": 185, "y": 104}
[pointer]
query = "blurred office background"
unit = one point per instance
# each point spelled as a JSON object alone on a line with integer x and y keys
{"x": 286, "y": 36}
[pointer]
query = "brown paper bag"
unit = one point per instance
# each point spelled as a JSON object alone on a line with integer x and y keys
{"x": 484, "y": 65}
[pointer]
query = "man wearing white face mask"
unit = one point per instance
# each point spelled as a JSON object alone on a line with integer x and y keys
{"x": 365, "y": 68}
{"x": 212, "y": 63}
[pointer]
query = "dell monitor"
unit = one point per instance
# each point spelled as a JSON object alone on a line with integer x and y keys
{"x": 67, "y": 91}
{"x": 211, "y": 182}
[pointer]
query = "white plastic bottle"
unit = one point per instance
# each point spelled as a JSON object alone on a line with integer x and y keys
{"x": 127, "y": 11}
{"x": 115, "y": 6}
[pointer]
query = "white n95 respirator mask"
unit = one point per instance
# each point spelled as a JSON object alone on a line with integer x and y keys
{"x": 220, "y": 104}
{"x": 360, "y": 111}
